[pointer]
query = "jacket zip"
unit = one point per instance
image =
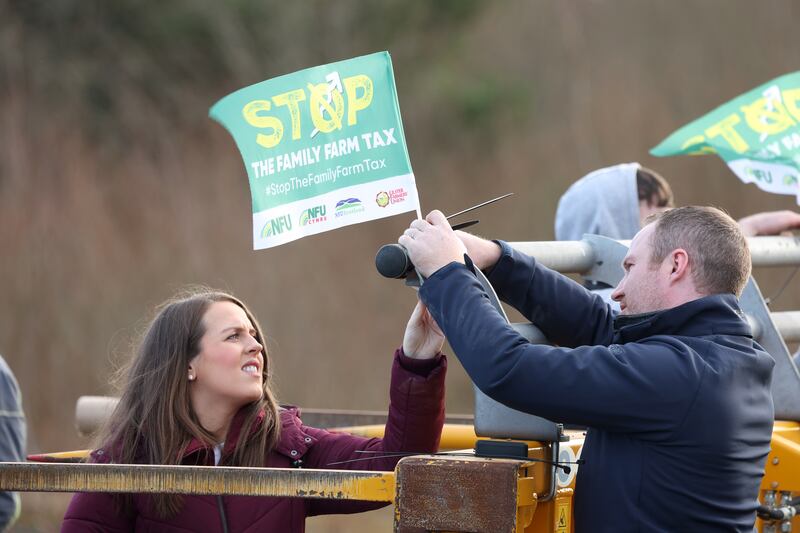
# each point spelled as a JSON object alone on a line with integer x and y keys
{"x": 222, "y": 518}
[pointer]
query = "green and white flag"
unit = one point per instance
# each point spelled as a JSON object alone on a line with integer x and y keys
{"x": 323, "y": 148}
{"x": 757, "y": 134}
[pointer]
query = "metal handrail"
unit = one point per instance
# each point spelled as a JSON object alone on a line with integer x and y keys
{"x": 578, "y": 257}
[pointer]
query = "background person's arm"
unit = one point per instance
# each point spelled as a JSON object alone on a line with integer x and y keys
{"x": 769, "y": 223}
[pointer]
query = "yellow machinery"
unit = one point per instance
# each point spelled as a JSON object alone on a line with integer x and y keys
{"x": 459, "y": 490}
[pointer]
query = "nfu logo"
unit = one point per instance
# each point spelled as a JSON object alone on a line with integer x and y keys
{"x": 276, "y": 226}
{"x": 313, "y": 215}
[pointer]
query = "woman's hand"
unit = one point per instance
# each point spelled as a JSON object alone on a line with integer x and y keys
{"x": 423, "y": 338}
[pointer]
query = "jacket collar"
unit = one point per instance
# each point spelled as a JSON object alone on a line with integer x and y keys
{"x": 294, "y": 441}
{"x": 712, "y": 315}
{"x": 234, "y": 434}
{"x": 292, "y": 437}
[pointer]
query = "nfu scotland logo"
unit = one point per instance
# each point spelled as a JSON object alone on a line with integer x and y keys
{"x": 348, "y": 206}
{"x": 276, "y": 226}
{"x": 313, "y": 215}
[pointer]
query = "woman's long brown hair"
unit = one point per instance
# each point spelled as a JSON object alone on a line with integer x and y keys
{"x": 154, "y": 422}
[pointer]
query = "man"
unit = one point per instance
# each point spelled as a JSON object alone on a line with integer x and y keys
{"x": 674, "y": 390}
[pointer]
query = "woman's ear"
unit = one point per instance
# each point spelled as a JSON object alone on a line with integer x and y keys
{"x": 192, "y": 376}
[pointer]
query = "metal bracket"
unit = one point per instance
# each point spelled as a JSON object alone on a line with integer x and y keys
{"x": 608, "y": 256}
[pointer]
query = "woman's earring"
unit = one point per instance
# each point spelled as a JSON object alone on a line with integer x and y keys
{"x": 191, "y": 377}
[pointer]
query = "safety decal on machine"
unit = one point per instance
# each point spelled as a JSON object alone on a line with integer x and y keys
{"x": 562, "y": 517}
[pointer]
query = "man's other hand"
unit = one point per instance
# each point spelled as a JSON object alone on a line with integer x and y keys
{"x": 432, "y": 244}
{"x": 423, "y": 338}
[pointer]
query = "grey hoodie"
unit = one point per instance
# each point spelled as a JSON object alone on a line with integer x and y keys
{"x": 604, "y": 202}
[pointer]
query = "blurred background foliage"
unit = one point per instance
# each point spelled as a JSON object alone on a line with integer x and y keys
{"x": 116, "y": 190}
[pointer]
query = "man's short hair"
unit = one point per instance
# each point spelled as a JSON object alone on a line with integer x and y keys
{"x": 653, "y": 188}
{"x": 717, "y": 249}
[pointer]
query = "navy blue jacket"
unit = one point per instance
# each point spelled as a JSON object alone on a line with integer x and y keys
{"x": 678, "y": 402}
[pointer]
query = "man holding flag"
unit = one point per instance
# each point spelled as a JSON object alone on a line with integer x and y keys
{"x": 674, "y": 390}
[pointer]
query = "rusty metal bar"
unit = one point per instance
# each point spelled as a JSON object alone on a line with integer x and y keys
{"x": 281, "y": 482}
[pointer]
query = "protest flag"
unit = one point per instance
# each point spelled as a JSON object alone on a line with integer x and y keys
{"x": 323, "y": 148}
{"x": 757, "y": 134}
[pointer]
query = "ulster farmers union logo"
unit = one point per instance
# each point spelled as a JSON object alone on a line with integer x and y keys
{"x": 348, "y": 207}
{"x": 313, "y": 215}
{"x": 397, "y": 195}
{"x": 382, "y": 199}
{"x": 394, "y": 196}
{"x": 276, "y": 226}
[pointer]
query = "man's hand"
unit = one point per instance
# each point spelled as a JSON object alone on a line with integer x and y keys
{"x": 432, "y": 244}
{"x": 484, "y": 254}
{"x": 769, "y": 223}
{"x": 423, "y": 338}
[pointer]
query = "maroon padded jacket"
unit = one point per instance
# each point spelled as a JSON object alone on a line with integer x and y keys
{"x": 416, "y": 415}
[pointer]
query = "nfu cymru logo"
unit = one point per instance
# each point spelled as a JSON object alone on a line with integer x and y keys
{"x": 276, "y": 226}
{"x": 349, "y": 207}
{"x": 394, "y": 196}
{"x": 313, "y": 215}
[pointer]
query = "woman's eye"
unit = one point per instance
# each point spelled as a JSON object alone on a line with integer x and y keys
{"x": 233, "y": 336}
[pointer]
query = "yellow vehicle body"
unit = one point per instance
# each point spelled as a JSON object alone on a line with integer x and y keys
{"x": 781, "y": 480}
{"x": 782, "y": 471}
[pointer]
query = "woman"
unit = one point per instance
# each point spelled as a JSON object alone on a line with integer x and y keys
{"x": 198, "y": 393}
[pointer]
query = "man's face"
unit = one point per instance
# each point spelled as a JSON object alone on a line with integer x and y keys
{"x": 641, "y": 290}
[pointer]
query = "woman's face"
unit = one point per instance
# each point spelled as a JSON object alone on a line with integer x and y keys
{"x": 227, "y": 373}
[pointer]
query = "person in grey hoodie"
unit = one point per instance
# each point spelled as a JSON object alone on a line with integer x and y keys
{"x": 613, "y": 202}
{"x": 12, "y": 439}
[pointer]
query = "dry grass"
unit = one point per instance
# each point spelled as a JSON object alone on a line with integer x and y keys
{"x": 106, "y": 211}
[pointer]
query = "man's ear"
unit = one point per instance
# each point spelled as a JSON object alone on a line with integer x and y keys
{"x": 679, "y": 264}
